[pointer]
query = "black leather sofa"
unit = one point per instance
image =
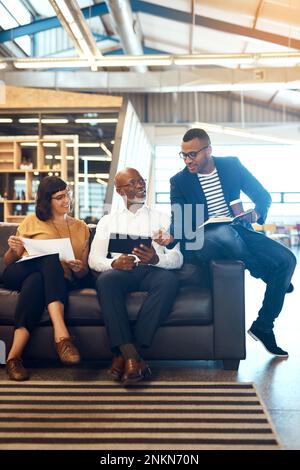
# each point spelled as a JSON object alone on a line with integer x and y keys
{"x": 206, "y": 323}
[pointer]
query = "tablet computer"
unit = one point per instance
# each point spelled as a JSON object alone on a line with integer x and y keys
{"x": 124, "y": 243}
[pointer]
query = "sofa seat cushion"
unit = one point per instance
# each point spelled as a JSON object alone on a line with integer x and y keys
{"x": 8, "y": 303}
{"x": 193, "y": 306}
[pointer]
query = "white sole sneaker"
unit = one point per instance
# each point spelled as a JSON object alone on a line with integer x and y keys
{"x": 257, "y": 339}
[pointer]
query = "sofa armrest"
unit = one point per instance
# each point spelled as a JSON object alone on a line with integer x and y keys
{"x": 228, "y": 309}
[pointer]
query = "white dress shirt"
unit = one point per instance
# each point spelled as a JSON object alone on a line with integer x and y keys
{"x": 144, "y": 222}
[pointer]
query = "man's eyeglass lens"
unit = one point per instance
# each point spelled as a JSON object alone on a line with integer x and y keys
{"x": 133, "y": 183}
{"x": 184, "y": 155}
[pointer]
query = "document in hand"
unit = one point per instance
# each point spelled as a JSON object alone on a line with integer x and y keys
{"x": 226, "y": 220}
{"x": 62, "y": 246}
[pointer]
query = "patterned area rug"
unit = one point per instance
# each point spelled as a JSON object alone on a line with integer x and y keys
{"x": 158, "y": 415}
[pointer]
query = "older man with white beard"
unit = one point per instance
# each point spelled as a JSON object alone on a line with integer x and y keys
{"x": 147, "y": 270}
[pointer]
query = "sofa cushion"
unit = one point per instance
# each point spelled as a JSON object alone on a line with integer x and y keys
{"x": 8, "y": 303}
{"x": 193, "y": 306}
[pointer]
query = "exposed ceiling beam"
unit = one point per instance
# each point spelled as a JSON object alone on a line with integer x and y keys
{"x": 29, "y": 7}
{"x": 73, "y": 22}
{"x": 208, "y": 79}
{"x": 160, "y": 11}
{"x": 192, "y": 28}
{"x": 257, "y": 13}
{"x": 270, "y": 101}
{"x": 49, "y": 23}
{"x": 231, "y": 28}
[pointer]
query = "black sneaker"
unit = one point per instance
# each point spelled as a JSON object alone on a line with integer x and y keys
{"x": 268, "y": 341}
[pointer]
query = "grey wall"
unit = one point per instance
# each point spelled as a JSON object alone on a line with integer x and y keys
{"x": 206, "y": 107}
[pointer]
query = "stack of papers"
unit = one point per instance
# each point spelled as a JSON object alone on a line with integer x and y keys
{"x": 37, "y": 248}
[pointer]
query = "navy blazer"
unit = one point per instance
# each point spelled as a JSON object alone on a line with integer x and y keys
{"x": 234, "y": 178}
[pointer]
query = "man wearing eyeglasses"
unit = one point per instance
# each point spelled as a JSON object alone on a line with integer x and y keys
{"x": 145, "y": 269}
{"x": 211, "y": 183}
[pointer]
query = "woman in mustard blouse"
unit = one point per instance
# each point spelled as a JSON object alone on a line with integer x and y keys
{"x": 45, "y": 281}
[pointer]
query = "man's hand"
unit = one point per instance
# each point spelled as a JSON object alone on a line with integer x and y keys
{"x": 124, "y": 262}
{"x": 162, "y": 237}
{"x": 146, "y": 255}
{"x": 16, "y": 244}
{"x": 254, "y": 217}
{"x": 250, "y": 217}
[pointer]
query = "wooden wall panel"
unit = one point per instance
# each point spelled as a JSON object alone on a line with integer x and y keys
{"x": 37, "y": 98}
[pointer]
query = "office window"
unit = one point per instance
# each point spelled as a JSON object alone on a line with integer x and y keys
{"x": 275, "y": 166}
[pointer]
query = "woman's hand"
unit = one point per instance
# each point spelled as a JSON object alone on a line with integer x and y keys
{"x": 77, "y": 266}
{"x": 15, "y": 243}
{"x": 162, "y": 237}
{"x": 124, "y": 262}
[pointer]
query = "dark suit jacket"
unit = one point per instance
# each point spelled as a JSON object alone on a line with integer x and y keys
{"x": 234, "y": 178}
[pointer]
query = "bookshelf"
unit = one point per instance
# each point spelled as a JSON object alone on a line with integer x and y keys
{"x": 24, "y": 161}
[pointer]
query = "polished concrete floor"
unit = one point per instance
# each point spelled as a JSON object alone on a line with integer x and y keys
{"x": 277, "y": 380}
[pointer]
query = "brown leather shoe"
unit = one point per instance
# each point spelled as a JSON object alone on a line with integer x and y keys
{"x": 117, "y": 367}
{"x": 67, "y": 351}
{"x": 16, "y": 370}
{"x": 135, "y": 371}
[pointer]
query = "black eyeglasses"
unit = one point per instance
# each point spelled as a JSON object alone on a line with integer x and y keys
{"x": 134, "y": 183}
{"x": 67, "y": 195}
{"x": 192, "y": 154}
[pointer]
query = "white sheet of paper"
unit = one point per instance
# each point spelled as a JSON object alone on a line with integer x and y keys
{"x": 62, "y": 246}
{"x": 27, "y": 258}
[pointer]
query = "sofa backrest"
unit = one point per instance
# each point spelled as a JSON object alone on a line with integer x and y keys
{"x": 6, "y": 230}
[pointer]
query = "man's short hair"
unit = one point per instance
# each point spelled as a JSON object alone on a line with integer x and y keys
{"x": 196, "y": 133}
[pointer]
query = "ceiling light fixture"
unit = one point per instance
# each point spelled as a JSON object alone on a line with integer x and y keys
{"x": 130, "y": 61}
{"x": 29, "y": 120}
{"x": 213, "y": 59}
{"x": 282, "y": 59}
{"x": 55, "y": 121}
{"x": 94, "y": 175}
{"x": 51, "y": 63}
{"x": 93, "y": 158}
{"x": 87, "y": 144}
{"x": 95, "y": 120}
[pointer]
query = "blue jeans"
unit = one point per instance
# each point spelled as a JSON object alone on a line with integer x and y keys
{"x": 265, "y": 258}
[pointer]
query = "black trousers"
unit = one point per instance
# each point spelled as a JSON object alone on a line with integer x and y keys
{"x": 113, "y": 286}
{"x": 265, "y": 258}
{"x": 40, "y": 282}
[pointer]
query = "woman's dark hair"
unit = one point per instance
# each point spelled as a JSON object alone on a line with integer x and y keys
{"x": 196, "y": 133}
{"x": 47, "y": 187}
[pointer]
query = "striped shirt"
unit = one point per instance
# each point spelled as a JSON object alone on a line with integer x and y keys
{"x": 213, "y": 193}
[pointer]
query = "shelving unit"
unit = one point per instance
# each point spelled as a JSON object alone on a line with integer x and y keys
{"x": 24, "y": 161}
